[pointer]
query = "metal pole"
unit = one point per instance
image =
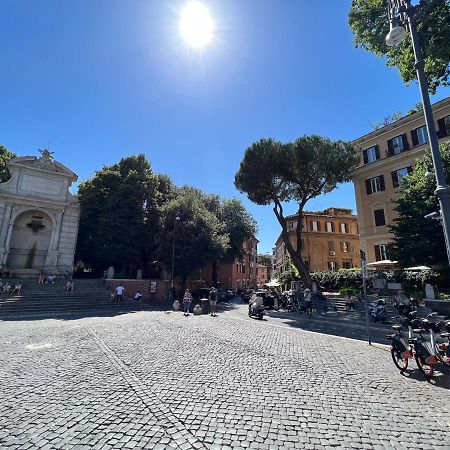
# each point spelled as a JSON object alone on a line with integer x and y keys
{"x": 442, "y": 191}
{"x": 364, "y": 275}
{"x": 172, "y": 286}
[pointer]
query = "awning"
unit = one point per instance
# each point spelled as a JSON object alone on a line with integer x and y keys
{"x": 418, "y": 268}
{"x": 382, "y": 263}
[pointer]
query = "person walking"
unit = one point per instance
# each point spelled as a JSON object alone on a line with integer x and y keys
{"x": 213, "y": 301}
{"x": 187, "y": 299}
{"x": 308, "y": 301}
{"x": 119, "y": 293}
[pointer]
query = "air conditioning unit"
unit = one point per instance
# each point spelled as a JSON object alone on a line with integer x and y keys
{"x": 332, "y": 253}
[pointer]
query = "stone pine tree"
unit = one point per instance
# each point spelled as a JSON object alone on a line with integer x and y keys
{"x": 5, "y": 156}
{"x": 417, "y": 240}
{"x": 368, "y": 20}
{"x": 272, "y": 172}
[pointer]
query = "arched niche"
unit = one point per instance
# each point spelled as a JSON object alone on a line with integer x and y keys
{"x": 30, "y": 240}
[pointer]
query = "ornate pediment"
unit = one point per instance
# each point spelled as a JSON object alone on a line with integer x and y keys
{"x": 45, "y": 162}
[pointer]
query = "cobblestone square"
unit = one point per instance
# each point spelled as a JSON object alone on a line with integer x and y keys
{"x": 161, "y": 380}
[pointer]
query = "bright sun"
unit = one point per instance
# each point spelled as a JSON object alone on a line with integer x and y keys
{"x": 196, "y": 24}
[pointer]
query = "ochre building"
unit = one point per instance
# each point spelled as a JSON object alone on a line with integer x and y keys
{"x": 330, "y": 241}
{"x": 387, "y": 155}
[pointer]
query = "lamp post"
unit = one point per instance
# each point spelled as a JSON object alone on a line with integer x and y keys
{"x": 172, "y": 286}
{"x": 400, "y": 13}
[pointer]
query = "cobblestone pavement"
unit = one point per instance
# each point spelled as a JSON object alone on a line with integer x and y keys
{"x": 157, "y": 380}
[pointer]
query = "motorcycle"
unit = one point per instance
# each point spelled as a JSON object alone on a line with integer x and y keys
{"x": 377, "y": 311}
{"x": 256, "y": 311}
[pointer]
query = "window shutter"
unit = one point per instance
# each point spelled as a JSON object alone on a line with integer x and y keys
{"x": 442, "y": 129}
{"x": 415, "y": 139}
{"x": 311, "y": 226}
{"x": 377, "y": 253}
{"x": 368, "y": 187}
{"x": 410, "y": 169}
{"x": 318, "y": 226}
{"x": 382, "y": 186}
{"x": 377, "y": 152}
{"x": 395, "y": 182}
{"x": 405, "y": 142}
{"x": 365, "y": 158}
{"x": 332, "y": 227}
{"x": 390, "y": 147}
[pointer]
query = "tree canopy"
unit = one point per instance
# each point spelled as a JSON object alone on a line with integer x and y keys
{"x": 5, "y": 156}
{"x": 119, "y": 214}
{"x": 417, "y": 240}
{"x": 369, "y": 22}
{"x": 272, "y": 172}
{"x": 210, "y": 229}
{"x": 128, "y": 214}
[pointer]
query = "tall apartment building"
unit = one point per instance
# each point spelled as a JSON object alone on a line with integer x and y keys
{"x": 330, "y": 241}
{"x": 387, "y": 155}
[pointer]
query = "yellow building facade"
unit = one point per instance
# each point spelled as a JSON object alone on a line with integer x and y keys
{"x": 387, "y": 155}
{"x": 330, "y": 241}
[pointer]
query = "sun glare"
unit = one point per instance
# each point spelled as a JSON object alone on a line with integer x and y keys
{"x": 196, "y": 24}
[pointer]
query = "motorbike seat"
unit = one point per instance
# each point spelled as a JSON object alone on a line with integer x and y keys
{"x": 418, "y": 330}
{"x": 396, "y": 327}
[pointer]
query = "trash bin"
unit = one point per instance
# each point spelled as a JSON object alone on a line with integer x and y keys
{"x": 206, "y": 309}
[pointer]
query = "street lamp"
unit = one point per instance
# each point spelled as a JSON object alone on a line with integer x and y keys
{"x": 401, "y": 14}
{"x": 172, "y": 287}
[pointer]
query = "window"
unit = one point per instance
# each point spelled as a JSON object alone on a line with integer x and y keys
{"x": 397, "y": 144}
{"x": 397, "y": 175}
{"x": 375, "y": 184}
{"x": 347, "y": 264}
{"x": 343, "y": 227}
{"x": 419, "y": 136}
{"x": 379, "y": 217}
{"x": 329, "y": 226}
{"x": 306, "y": 262}
{"x": 381, "y": 253}
{"x": 331, "y": 246}
{"x": 345, "y": 247}
{"x": 315, "y": 225}
{"x": 332, "y": 265}
{"x": 444, "y": 126}
{"x": 371, "y": 154}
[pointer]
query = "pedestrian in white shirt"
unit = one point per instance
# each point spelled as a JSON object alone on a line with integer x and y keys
{"x": 119, "y": 294}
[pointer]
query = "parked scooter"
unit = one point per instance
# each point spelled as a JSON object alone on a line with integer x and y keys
{"x": 377, "y": 311}
{"x": 256, "y": 311}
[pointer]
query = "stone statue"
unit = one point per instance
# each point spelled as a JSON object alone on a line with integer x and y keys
{"x": 46, "y": 160}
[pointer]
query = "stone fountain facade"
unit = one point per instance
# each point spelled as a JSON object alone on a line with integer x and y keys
{"x": 39, "y": 217}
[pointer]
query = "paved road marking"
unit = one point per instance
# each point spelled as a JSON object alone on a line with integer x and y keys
{"x": 166, "y": 419}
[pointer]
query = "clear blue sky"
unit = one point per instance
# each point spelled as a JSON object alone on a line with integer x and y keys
{"x": 102, "y": 79}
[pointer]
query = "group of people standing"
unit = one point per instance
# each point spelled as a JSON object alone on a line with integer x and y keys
{"x": 213, "y": 296}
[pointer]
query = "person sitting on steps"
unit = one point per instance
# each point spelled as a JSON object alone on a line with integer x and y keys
{"x": 17, "y": 288}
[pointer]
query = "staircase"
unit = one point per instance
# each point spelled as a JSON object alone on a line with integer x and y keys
{"x": 51, "y": 299}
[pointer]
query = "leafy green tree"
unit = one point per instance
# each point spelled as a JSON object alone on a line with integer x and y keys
{"x": 200, "y": 237}
{"x": 417, "y": 240}
{"x": 272, "y": 173}
{"x": 120, "y": 215}
{"x": 5, "y": 156}
{"x": 264, "y": 259}
{"x": 368, "y": 20}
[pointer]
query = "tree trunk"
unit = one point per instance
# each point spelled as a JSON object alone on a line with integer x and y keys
{"x": 295, "y": 254}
